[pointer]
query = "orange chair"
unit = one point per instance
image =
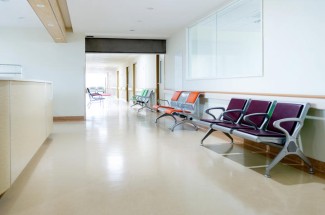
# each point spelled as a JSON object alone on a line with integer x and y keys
{"x": 178, "y": 98}
{"x": 172, "y": 103}
{"x": 183, "y": 110}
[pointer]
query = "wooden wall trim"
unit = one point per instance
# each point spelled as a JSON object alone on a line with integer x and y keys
{"x": 157, "y": 77}
{"x": 68, "y": 118}
{"x": 269, "y": 94}
{"x": 260, "y": 94}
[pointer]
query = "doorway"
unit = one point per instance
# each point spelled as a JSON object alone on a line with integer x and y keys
{"x": 125, "y": 75}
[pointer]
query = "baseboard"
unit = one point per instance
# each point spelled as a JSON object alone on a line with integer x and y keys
{"x": 319, "y": 166}
{"x": 68, "y": 118}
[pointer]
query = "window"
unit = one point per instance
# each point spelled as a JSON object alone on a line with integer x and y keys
{"x": 228, "y": 43}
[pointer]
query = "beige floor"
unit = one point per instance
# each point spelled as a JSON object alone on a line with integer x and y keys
{"x": 120, "y": 162}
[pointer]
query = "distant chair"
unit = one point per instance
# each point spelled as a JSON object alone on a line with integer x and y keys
{"x": 143, "y": 99}
{"x": 94, "y": 97}
{"x": 92, "y": 90}
{"x": 100, "y": 90}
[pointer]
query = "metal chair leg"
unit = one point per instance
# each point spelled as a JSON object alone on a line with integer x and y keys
{"x": 275, "y": 161}
{"x": 210, "y": 131}
{"x": 183, "y": 122}
{"x": 229, "y": 136}
{"x": 165, "y": 114}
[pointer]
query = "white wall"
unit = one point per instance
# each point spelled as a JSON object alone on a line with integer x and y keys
{"x": 112, "y": 79}
{"x": 293, "y": 53}
{"x": 42, "y": 59}
{"x": 145, "y": 71}
{"x": 176, "y": 52}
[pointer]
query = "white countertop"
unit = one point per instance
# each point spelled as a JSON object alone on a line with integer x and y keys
{"x": 22, "y": 79}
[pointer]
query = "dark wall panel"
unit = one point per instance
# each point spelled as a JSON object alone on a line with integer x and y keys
{"x": 114, "y": 45}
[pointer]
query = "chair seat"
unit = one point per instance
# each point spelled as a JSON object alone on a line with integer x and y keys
{"x": 210, "y": 120}
{"x": 171, "y": 111}
{"x": 161, "y": 106}
{"x": 261, "y": 133}
{"x": 231, "y": 126}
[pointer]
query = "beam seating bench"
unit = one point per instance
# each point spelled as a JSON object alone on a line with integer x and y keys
{"x": 183, "y": 104}
{"x": 269, "y": 122}
{"x": 143, "y": 99}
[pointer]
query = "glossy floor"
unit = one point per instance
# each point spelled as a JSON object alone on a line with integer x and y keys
{"x": 119, "y": 161}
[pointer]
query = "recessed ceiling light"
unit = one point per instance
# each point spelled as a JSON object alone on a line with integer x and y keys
{"x": 40, "y": 5}
{"x": 132, "y": 30}
{"x": 150, "y": 8}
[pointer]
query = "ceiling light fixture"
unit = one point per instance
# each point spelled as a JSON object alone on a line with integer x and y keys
{"x": 50, "y": 25}
{"x": 132, "y": 30}
{"x": 150, "y": 8}
{"x": 40, "y": 5}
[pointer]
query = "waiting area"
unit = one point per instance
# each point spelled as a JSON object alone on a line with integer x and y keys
{"x": 119, "y": 161}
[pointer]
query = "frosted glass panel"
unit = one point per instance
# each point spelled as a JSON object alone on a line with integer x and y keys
{"x": 239, "y": 40}
{"x": 227, "y": 43}
{"x": 202, "y": 49}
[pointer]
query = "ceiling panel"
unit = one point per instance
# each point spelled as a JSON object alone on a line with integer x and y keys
{"x": 145, "y": 19}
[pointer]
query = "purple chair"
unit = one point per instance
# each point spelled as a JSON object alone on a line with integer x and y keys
{"x": 233, "y": 113}
{"x": 257, "y": 110}
{"x": 282, "y": 130}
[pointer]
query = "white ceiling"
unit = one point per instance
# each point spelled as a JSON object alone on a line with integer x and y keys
{"x": 137, "y": 18}
{"x": 18, "y": 14}
{"x": 154, "y": 19}
{"x": 147, "y": 19}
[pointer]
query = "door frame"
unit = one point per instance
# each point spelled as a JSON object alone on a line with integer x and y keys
{"x": 127, "y": 83}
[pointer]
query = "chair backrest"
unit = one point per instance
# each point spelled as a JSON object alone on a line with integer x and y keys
{"x": 144, "y": 92}
{"x": 139, "y": 97}
{"x": 148, "y": 95}
{"x": 284, "y": 110}
{"x": 92, "y": 89}
{"x": 90, "y": 95}
{"x": 100, "y": 90}
{"x": 175, "y": 97}
{"x": 257, "y": 106}
{"x": 191, "y": 100}
{"x": 181, "y": 100}
{"x": 234, "y": 104}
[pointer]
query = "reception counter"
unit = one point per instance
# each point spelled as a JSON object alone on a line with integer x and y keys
{"x": 25, "y": 122}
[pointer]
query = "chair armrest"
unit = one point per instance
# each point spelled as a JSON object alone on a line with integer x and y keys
{"x": 164, "y": 100}
{"x": 207, "y": 111}
{"x": 248, "y": 116}
{"x": 225, "y": 116}
{"x": 295, "y": 134}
